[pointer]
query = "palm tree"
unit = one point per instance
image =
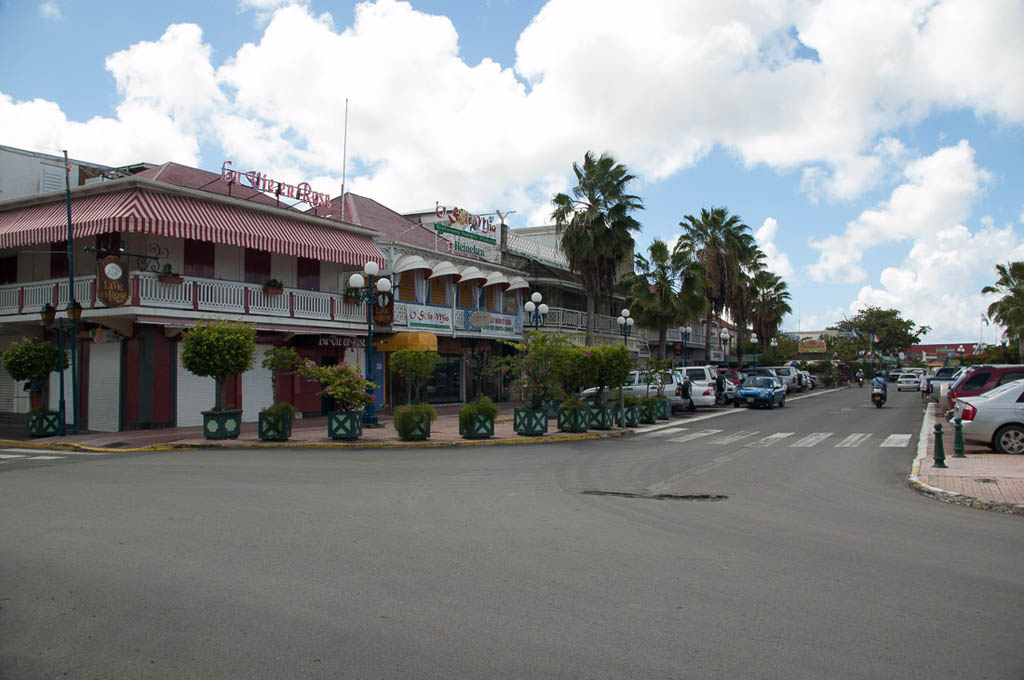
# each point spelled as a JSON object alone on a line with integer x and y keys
{"x": 770, "y": 303}
{"x": 720, "y": 242}
{"x": 665, "y": 290}
{"x": 1008, "y": 310}
{"x": 741, "y": 306}
{"x": 595, "y": 227}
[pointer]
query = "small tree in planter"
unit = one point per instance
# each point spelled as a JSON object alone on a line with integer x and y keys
{"x": 611, "y": 367}
{"x": 476, "y": 419}
{"x": 537, "y": 366}
{"x": 275, "y": 422}
{"x": 33, "y": 360}
{"x": 217, "y": 349}
{"x": 656, "y": 373}
{"x": 573, "y": 415}
{"x": 412, "y": 422}
{"x": 631, "y": 410}
{"x": 348, "y": 389}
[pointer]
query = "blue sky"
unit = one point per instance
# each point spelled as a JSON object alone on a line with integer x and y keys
{"x": 873, "y": 147}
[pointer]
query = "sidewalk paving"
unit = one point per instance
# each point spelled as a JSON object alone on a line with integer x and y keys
{"x": 985, "y": 480}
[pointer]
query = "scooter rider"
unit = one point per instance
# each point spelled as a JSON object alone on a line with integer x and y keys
{"x": 879, "y": 381}
{"x": 860, "y": 377}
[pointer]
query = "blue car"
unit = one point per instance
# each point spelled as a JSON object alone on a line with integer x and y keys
{"x": 760, "y": 390}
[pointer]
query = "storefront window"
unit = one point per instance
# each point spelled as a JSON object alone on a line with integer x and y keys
{"x": 445, "y": 386}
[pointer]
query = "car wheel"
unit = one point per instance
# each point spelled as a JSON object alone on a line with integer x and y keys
{"x": 735, "y": 404}
{"x": 782, "y": 403}
{"x": 1010, "y": 439}
{"x": 770, "y": 404}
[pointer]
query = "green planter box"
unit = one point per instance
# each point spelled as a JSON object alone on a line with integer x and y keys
{"x": 632, "y": 416}
{"x": 663, "y": 410}
{"x": 222, "y": 424}
{"x": 602, "y": 417}
{"x": 573, "y": 419}
{"x": 270, "y": 430}
{"x": 551, "y": 408}
{"x": 480, "y": 427}
{"x": 647, "y": 413}
{"x": 43, "y": 424}
{"x": 345, "y": 425}
{"x": 419, "y": 431}
{"x": 530, "y": 422}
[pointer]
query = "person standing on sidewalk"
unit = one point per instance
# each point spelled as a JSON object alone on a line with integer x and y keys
{"x": 924, "y": 387}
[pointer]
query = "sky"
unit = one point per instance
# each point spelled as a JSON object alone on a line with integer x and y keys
{"x": 873, "y": 147}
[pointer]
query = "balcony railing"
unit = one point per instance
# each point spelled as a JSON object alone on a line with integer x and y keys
{"x": 148, "y": 290}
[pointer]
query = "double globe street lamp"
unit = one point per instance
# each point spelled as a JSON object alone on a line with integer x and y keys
{"x": 625, "y": 322}
{"x": 65, "y": 330}
{"x": 370, "y": 293}
{"x": 536, "y": 311}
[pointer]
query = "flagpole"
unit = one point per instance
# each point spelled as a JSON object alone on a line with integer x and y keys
{"x": 344, "y": 161}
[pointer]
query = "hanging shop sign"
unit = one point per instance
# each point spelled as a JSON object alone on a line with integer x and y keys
{"x": 301, "y": 192}
{"x": 480, "y": 319}
{"x": 112, "y": 282}
{"x": 504, "y": 324}
{"x": 466, "y": 234}
{"x": 809, "y": 345}
{"x": 384, "y": 309}
{"x": 430, "y": 318}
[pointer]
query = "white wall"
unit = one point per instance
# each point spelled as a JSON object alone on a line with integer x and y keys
{"x": 257, "y": 386}
{"x": 105, "y": 387}
{"x": 230, "y": 263}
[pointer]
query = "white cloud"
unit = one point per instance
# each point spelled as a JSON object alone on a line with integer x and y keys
{"x": 49, "y": 9}
{"x": 937, "y": 194}
{"x": 776, "y": 261}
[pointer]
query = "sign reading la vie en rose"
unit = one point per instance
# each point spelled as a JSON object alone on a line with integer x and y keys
{"x": 431, "y": 318}
{"x": 260, "y": 182}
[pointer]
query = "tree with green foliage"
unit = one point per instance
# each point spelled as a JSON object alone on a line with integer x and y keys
{"x": 612, "y": 364}
{"x": 1008, "y": 310}
{"x": 770, "y": 303}
{"x": 282, "y": 359}
{"x": 664, "y": 291}
{"x": 595, "y": 226}
{"x": 33, "y": 360}
{"x": 216, "y": 349}
{"x": 893, "y": 331}
{"x": 720, "y": 242}
{"x": 416, "y": 366}
{"x": 537, "y": 366}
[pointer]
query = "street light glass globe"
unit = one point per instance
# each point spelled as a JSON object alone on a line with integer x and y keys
{"x": 621, "y": 321}
{"x": 356, "y": 281}
{"x": 625, "y": 313}
{"x": 629, "y": 322}
{"x": 371, "y": 268}
{"x": 383, "y": 285}
{"x": 543, "y": 309}
{"x": 753, "y": 337}
{"x": 536, "y": 297}
{"x": 529, "y": 307}
{"x": 775, "y": 342}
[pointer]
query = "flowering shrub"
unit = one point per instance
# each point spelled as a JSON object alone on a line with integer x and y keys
{"x": 342, "y": 382}
{"x": 539, "y": 365}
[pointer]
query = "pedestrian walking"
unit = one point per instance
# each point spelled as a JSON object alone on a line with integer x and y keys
{"x": 924, "y": 387}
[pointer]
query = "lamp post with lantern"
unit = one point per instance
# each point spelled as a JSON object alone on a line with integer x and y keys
{"x": 753, "y": 343}
{"x": 724, "y": 336}
{"x": 369, "y": 293}
{"x": 536, "y": 311}
{"x": 686, "y": 346}
{"x": 625, "y": 322}
{"x": 960, "y": 351}
{"x": 65, "y": 330}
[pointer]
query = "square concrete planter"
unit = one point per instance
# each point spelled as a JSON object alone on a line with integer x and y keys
{"x": 480, "y": 427}
{"x": 530, "y": 422}
{"x": 345, "y": 425}
{"x": 631, "y": 416}
{"x": 224, "y": 424}
{"x": 663, "y": 409}
{"x": 273, "y": 430}
{"x": 602, "y": 417}
{"x": 43, "y": 424}
{"x": 573, "y": 419}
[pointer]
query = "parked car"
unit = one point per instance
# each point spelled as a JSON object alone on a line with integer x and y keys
{"x": 894, "y": 376}
{"x": 702, "y": 383}
{"x": 760, "y": 370}
{"x": 943, "y": 374}
{"x": 995, "y": 418}
{"x": 908, "y": 381}
{"x": 675, "y": 388}
{"x": 809, "y": 380}
{"x": 982, "y": 379}
{"x": 733, "y": 374}
{"x": 787, "y": 375}
{"x": 759, "y": 390}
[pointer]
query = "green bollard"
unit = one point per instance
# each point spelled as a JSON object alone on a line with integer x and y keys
{"x": 958, "y": 439}
{"x": 940, "y": 451}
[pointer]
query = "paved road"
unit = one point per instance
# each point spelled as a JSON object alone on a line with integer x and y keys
{"x": 502, "y": 562}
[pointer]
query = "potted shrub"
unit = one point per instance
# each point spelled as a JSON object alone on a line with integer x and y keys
{"x": 416, "y": 366}
{"x": 648, "y": 409}
{"x": 476, "y": 419}
{"x": 275, "y": 422}
{"x": 350, "y": 391}
{"x": 217, "y": 349}
{"x": 573, "y": 415}
{"x": 631, "y": 410}
{"x": 33, "y": 360}
{"x": 655, "y": 373}
{"x": 273, "y": 287}
{"x": 412, "y": 421}
{"x": 535, "y": 367}
{"x": 168, "y": 275}
{"x": 611, "y": 365}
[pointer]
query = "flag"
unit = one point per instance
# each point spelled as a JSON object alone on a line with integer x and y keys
{"x": 984, "y": 318}
{"x": 874, "y": 338}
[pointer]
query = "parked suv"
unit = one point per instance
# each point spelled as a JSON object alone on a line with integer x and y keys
{"x": 675, "y": 389}
{"x": 983, "y": 378}
{"x": 789, "y": 378}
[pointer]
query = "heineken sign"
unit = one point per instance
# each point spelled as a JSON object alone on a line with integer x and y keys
{"x": 466, "y": 234}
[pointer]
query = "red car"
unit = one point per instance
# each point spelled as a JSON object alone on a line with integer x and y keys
{"x": 983, "y": 378}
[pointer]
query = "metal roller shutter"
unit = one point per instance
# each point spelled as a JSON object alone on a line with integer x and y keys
{"x": 105, "y": 386}
{"x": 195, "y": 395}
{"x": 257, "y": 387}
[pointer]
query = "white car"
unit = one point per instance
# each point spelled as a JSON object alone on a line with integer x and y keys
{"x": 995, "y": 418}
{"x": 908, "y": 381}
{"x": 702, "y": 383}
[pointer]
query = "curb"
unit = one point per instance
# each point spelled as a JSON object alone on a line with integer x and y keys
{"x": 951, "y": 497}
{"x": 454, "y": 443}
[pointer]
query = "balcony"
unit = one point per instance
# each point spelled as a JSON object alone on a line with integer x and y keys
{"x": 149, "y": 293}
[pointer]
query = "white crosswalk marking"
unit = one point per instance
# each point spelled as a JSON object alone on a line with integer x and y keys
{"x": 896, "y": 440}
{"x": 771, "y": 439}
{"x": 810, "y": 440}
{"x": 853, "y": 440}
{"x": 734, "y": 437}
{"x": 693, "y": 435}
{"x": 46, "y": 457}
{"x": 669, "y": 430}
{"x": 5, "y": 456}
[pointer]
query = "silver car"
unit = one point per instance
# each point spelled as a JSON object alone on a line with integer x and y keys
{"x": 908, "y": 381}
{"x": 995, "y": 418}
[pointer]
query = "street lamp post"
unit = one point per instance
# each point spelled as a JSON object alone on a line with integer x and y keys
{"x": 65, "y": 328}
{"x": 625, "y": 327}
{"x": 753, "y": 343}
{"x": 368, "y": 296}
{"x": 536, "y": 311}
{"x": 960, "y": 351}
{"x": 724, "y": 335}
{"x": 686, "y": 347}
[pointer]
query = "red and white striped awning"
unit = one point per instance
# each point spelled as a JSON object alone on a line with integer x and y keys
{"x": 149, "y": 212}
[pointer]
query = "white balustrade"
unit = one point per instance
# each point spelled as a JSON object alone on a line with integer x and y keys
{"x": 37, "y": 295}
{"x": 9, "y": 299}
{"x": 270, "y": 304}
{"x": 347, "y": 310}
{"x": 312, "y": 304}
{"x": 156, "y": 293}
{"x": 220, "y": 296}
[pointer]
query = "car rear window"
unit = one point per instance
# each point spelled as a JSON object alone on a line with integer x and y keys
{"x": 696, "y": 374}
{"x": 1010, "y": 376}
{"x": 782, "y": 371}
{"x": 975, "y": 381}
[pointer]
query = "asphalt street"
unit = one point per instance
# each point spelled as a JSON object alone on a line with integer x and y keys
{"x": 747, "y": 544}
